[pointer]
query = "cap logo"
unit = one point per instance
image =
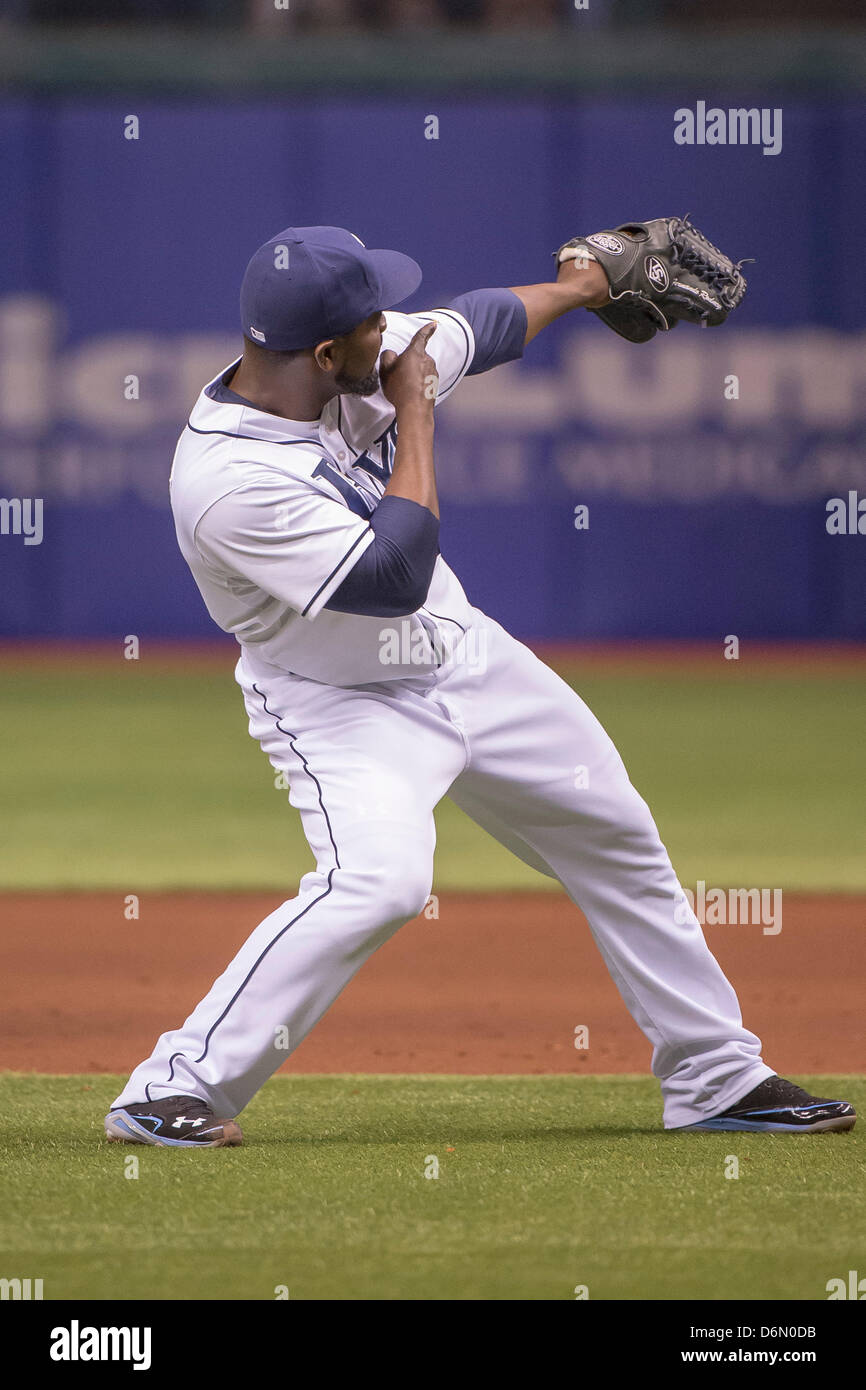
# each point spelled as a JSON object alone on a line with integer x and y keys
{"x": 254, "y": 333}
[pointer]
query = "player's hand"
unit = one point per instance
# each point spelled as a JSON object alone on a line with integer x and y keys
{"x": 588, "y": 279}
{"x": 410, "y": 378}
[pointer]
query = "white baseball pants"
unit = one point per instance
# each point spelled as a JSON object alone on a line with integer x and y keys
{"x": 513, "y": 745}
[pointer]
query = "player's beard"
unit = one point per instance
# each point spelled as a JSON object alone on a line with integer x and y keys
{"x": 357, "y": 385}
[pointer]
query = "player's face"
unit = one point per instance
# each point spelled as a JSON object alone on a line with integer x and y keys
{"x": 358, "y": 375}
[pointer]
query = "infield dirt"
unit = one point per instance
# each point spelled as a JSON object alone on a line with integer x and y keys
{"x": 494, "y": 985}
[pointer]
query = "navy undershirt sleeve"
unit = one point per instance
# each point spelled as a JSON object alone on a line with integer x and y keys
{"x": 393, "y": 575}
{"x": 498, "y": 321}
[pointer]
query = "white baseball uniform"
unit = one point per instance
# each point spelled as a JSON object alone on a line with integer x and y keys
{"x": 373, "y": 721}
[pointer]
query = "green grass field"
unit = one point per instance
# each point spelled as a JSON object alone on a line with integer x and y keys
{"x": 545, "y": 1183}
{"x": 122, "y": 779}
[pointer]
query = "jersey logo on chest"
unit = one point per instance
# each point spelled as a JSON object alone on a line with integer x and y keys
{"x": 384, "y": 446}
{"x": 360, "y": 498}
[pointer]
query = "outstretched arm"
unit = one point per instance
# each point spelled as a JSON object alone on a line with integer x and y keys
{"x": 504, "y": 321}
{"x": 577, "y": 286}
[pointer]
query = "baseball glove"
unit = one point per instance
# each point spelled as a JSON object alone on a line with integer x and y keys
{"x": 660, "y": 272}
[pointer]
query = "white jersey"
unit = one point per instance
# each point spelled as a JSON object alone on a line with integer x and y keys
{"x": 272, "y": 514}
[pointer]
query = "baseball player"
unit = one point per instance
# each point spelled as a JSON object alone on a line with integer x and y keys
{"x": 304, "y": 496}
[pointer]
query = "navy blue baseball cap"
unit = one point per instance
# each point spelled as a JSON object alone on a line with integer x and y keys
{"x": 311, "y": 283}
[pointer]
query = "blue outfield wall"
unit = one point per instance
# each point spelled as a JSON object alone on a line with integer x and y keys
{"x": 707, "y": 515}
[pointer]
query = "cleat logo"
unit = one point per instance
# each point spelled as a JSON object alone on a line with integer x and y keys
{"x": 182, "y": 1120}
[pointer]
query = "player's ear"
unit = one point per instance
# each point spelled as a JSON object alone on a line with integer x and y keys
{"x": 325, "y": 354}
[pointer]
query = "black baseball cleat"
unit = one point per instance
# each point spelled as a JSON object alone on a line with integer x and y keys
{"x": 778, "y": 1106}
{"x": 179, "y": 1122}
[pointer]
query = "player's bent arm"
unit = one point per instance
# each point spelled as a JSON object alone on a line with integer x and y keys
{"x": 414, "y": 474}
{"x": 410, "y": 382}
{"x": 392, "y": 577}
{"x": 310, "y": 552}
